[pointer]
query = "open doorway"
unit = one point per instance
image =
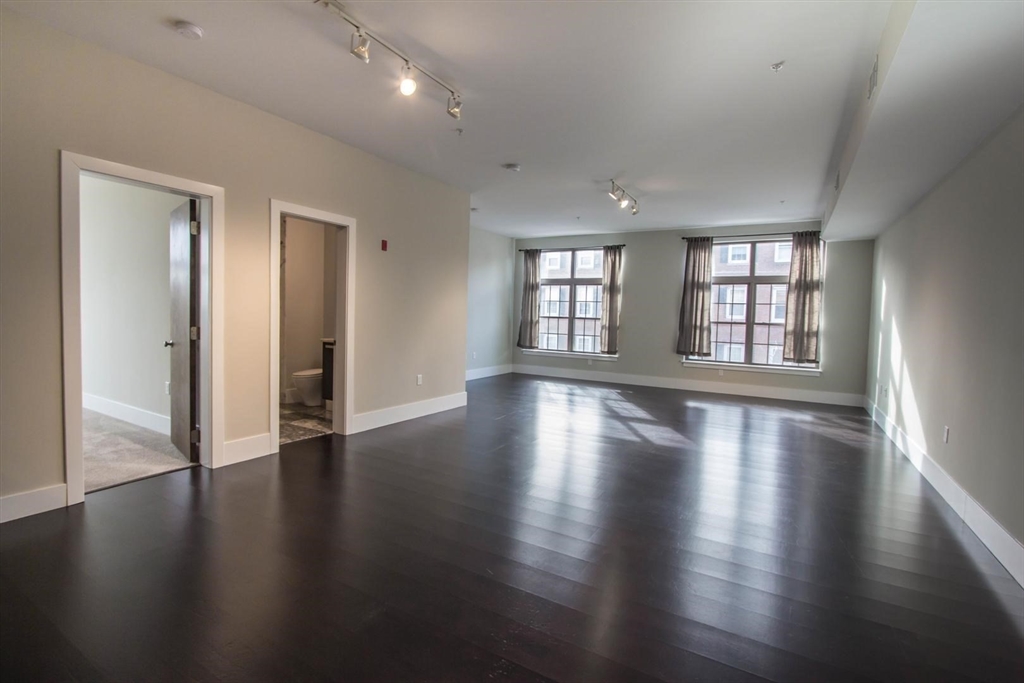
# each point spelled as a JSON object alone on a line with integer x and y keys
{"x": 140, "y": 317}
{"x": 312, "y": 279}
{"x": 308, "y": 277}
{"x": 135, "y": 333}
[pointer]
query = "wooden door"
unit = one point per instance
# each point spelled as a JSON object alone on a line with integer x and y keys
{"x": 184, "y": 344}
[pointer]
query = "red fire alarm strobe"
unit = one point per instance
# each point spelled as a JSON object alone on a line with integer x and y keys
{"x": 383, "y": 245}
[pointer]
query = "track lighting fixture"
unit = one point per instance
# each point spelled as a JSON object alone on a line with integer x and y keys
{"x": 408, "y": 84}
{"x": 361, "y": 46}
{"x": 455, "y": 107}
{"x": 623, "y": 198}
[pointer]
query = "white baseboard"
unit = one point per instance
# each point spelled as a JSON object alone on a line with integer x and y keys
{"x": 18, "y": 505}
{"x": 808, "y": 395}
{"x": 997, "y": 539}
{"x": 248, "y": 448}
{"x": 362, "y": 422}
{"x": 480, "y": 373}
{"x": 130, "y": 414}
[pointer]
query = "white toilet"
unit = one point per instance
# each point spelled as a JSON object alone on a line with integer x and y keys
{"x": 310, "y": 385}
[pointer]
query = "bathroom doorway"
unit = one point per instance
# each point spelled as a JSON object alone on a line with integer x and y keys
{"x": 307, "y": 328}
{"x": 310, "y": 336}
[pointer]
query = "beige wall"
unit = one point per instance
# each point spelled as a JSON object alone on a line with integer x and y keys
{"x": 302, "y": 320}
{"x": 947, "y": 325}
{"x": 126, "y": 293}
{"x": 652, "y": 289}
{"x": 330, "y": 248}
{"x": 489, "y": 321}
{"x": 62, "y": 93}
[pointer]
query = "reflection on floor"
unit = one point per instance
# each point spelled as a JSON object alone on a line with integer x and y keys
{"x": 549, "y": 530}
{"x": 116, "y": 452}
{"x": 300, "y": 422}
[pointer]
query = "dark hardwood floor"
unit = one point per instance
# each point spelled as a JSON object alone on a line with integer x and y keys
{"x": 551, "y": 530}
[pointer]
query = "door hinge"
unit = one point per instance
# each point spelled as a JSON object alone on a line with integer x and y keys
{"x": 194, "y": 436}
{"x": 193, "y": 227}
{"x": 193, "y": 333}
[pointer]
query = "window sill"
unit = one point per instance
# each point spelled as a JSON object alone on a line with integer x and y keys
{"x": 570, "y": 354}
{"x": 772, "y": 370}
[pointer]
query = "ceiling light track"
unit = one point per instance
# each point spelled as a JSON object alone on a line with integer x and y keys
{"x": 361, "y": 50}
{"x": 624, "y": 199}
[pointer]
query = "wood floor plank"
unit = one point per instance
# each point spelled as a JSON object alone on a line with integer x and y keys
{"x": 550, "y": 530}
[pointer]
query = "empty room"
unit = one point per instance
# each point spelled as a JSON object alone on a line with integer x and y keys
{"x": 512, "y": 340}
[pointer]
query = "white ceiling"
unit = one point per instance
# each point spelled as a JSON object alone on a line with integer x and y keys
{"x": 675, "y": 100}
{"x": 957, "y": 75}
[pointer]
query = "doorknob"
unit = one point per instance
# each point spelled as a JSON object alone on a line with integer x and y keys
{"x": 168, "y": 343}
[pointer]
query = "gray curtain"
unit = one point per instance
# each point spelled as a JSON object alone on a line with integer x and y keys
{"x": 803, "y": 302}
{"x": 611, "y": 298}
{"x": 529, "y": 321}
{"x": 695, "y": 309}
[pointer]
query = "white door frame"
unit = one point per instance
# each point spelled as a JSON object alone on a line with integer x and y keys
{"x": 211, "y": 308}
{"x": 345, "y": 339}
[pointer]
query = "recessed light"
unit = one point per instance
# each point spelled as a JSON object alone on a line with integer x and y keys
{"x": 188, "y": 30}
{"x": 511, "y": 167}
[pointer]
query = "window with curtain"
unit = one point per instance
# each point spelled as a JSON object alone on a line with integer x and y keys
{"x": 571, "y": 300}
{"x": 749, "y": 289}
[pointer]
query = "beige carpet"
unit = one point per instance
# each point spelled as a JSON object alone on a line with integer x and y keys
{"x": 117, "y": 452}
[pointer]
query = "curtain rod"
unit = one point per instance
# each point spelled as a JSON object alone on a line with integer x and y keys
{"x": 580, "y": 248}
{"x": 727, "y": 239}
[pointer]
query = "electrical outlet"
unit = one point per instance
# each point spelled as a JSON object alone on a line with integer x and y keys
{"x": 419, "y": 380}
{"x": 590, "y": 361}
{"x": 721, "y": 373}
{"x": 945, "y": 435}
{"x": 167, "y": 388}
{"x": 474, "y": 355}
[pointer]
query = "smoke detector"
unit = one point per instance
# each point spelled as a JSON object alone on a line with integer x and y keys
{"x": 777, "y": 66}
{"x": 511, "y": 167}
{"x": 188, "y": 30}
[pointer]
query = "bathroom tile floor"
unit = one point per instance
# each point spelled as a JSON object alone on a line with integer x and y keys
{"x": 300, "y": 422}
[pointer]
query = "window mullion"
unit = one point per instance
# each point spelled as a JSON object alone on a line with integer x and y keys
{"x": 748, "y": 353}
{"x": 572, "y": 311}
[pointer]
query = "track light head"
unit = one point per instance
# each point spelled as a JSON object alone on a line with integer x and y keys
{"x": 408, "y": 85}
{"x": 361, "y": 46}
{"x": 615, "y": 192}
{"x": 455, "y": 107}
{"x": 636, "y": 208}
{"x": 623, "y": 201}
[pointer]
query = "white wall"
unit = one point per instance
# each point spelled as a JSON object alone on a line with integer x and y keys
{"x": 126, "y": 300}
{"x": 302, "y": 322}
{"x": 489, "y": 324}
{"x": 651, "y": 292}
{"x": 60, "y": 92}
{"x": 947, "y": 325}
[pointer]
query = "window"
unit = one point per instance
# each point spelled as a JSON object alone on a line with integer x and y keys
{"x": 739, "y": 253}
{"x": 570, "y": 300}
{"x": 749, "y": 285}
{"x": 783, "y": 252}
